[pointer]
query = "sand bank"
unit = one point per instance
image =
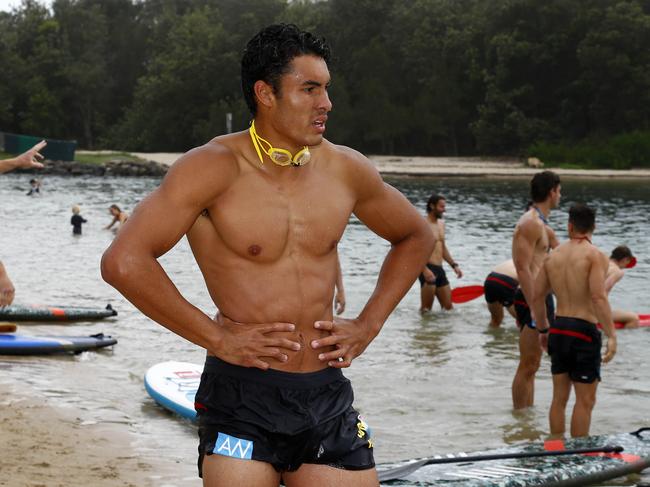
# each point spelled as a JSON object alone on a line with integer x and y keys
{"x": 454, "y": 167}
{"x": 46, "y": 446}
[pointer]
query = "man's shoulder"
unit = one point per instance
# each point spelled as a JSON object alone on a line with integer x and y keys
{"x": 217, "y": 158}
{"x": 346, "y": 156}
{"x": 530, "y": 225}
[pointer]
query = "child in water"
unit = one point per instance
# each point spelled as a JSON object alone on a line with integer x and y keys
{"x": 76, "y": 221}
{"x": 35, "y": 187}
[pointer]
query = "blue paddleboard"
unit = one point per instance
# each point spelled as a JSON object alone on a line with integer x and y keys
{"x": 32, "y": 345}
{"x": 173, "y": 385}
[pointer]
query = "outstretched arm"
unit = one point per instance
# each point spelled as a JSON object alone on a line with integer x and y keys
{"x": 108, "y": 227}
{"x": 27, "y": 159}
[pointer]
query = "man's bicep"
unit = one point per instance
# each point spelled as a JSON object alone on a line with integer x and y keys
{"x": 388, "y": 213}
{"x": 163, "y": 217}
{"x": 523, "y": 247}
{"x": 157, "y": 224}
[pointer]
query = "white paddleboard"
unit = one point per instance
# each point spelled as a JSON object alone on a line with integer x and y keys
{"x": 173, "y": 385}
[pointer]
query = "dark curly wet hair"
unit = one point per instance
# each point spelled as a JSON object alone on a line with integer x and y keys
{"x": 267, "y": 56}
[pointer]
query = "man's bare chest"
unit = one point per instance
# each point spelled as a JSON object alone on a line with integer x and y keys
{"x": 266, "y": 221}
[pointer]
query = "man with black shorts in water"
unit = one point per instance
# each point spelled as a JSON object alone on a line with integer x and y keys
{"x": 273, "y": 404}
{"x": 500, "y": 286}
{"x": 531, "y": 241}
{"x": 433, "y": 278}
{"x": 575, "y": 272}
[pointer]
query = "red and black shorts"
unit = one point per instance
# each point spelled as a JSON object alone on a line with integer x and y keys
{"x": 574, "y": 346}
{"x": 282, "y": 418}
{"x": 500, "y": 288}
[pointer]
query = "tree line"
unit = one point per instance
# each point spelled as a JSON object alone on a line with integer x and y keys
{"x": 414, "y": 77}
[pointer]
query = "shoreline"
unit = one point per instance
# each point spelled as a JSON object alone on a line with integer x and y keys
{"x": 157, "y": 164}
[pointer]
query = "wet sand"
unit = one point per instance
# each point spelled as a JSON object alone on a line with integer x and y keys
{"x": 42, "y": 445}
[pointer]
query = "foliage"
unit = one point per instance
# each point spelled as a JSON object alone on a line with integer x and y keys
{"x": 624, "y": 151}
{"x": 416, "y": 77}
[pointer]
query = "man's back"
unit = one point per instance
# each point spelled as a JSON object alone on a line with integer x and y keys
{"x": 569, "y": 270}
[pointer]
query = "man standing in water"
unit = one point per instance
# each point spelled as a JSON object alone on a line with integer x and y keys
{"x": 620, "y": 259}
{"x": 575, "y": 272}
{"x": 433, "y": 279}
{"x": 530, "y": 244}
{"x": 273, "y": 404}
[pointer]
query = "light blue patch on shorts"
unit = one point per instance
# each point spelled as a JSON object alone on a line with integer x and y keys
{"x": 230, "y": 446}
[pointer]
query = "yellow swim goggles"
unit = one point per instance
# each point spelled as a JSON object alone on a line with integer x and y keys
{"x": 281, "y": 157}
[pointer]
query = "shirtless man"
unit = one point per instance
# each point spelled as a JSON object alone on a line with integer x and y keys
{"x": 500, "y": 286}
{"x": 433, "y": 279}
{"x": 273, "y": 403}
{"x": 530, "y": 243}
{"x": 118, "y": 215}
{"x": 575, "y": 272}
{"x": 621, "y": 258}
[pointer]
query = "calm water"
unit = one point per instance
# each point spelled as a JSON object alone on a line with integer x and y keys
{"x": 426, "y": 385}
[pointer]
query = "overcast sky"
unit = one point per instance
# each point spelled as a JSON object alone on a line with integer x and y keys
{"x": 7, "y": 5}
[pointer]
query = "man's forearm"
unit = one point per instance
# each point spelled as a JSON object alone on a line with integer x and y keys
{"x": 604, "y": 314}
{"x": 7, "y": 165}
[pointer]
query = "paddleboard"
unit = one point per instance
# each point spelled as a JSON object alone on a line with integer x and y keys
{"x": 173, "y": 385}
{"x": 34, "y": 345}
{"x": 644, "y": 321}
{"x": 549, "y": 471}
{"x": 54, "y": 313}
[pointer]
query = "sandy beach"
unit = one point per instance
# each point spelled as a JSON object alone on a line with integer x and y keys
{"x": 47, "y": 446}
{"x": 454, "y": 167}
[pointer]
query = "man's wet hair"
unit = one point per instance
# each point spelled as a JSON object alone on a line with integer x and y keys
{"x": 621, "y": 252}
{"x": 542, "y": 184}
{"x": 582, "y": 218}
{"x": 433, "y": 201}
{"x": 269, "y": 53}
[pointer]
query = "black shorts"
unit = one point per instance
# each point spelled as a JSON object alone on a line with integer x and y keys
{"x": 282, "y": 418}
{"x": 523, "y": 311}
{"x": 438, "y": 273}
{"x": 500, "y": 288}
{"x": 574, "y": 347}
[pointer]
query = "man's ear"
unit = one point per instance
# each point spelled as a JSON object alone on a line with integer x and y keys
{"x": 264, "y": 93}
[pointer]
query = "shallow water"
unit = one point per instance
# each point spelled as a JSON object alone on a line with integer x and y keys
{"x": 426, "y": 385}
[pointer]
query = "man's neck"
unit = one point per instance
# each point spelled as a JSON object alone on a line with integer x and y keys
{"x": 544, "y": 207}
{"x": 580, "y": 236}
{"x": 433, "y": 218}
